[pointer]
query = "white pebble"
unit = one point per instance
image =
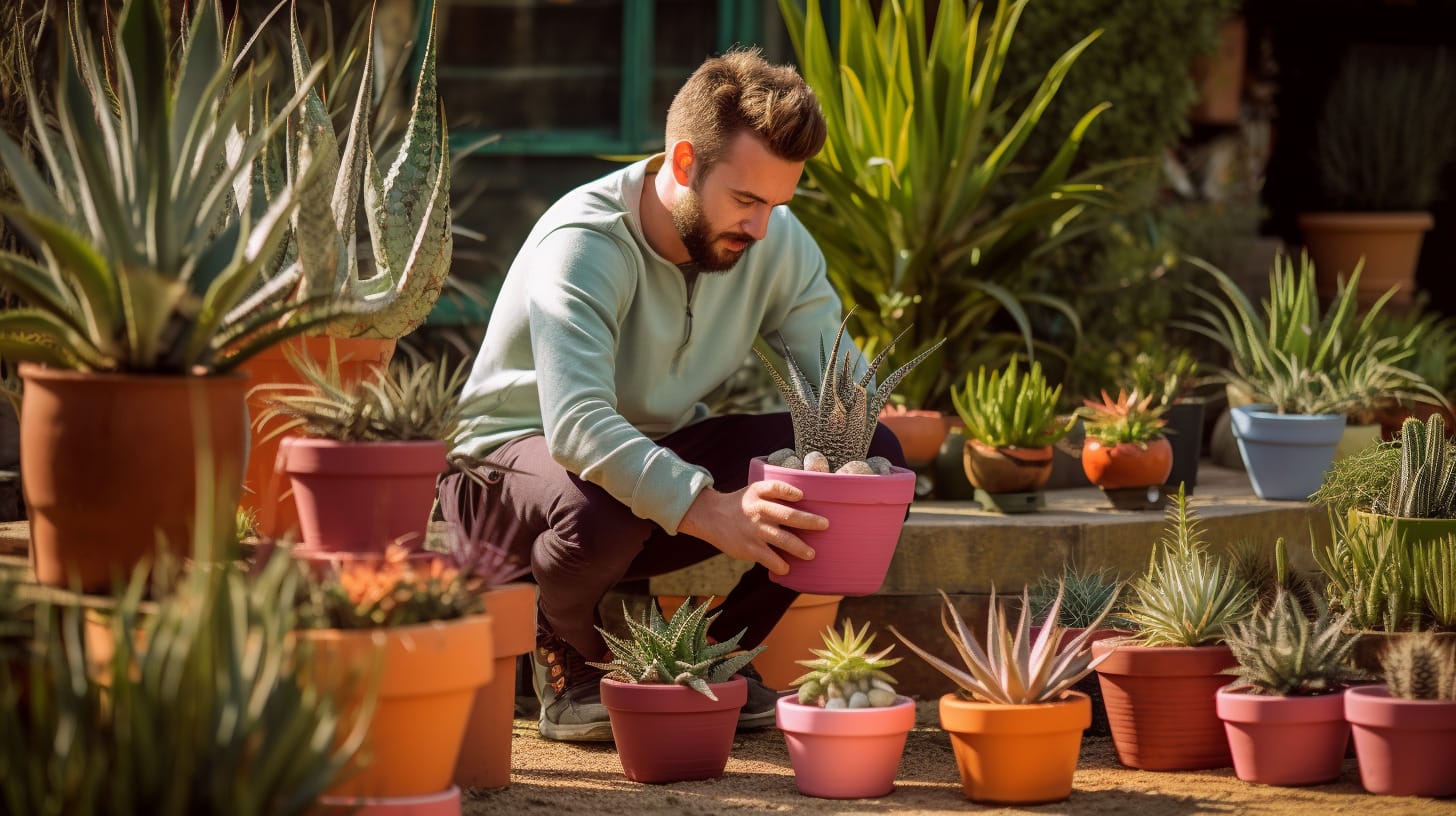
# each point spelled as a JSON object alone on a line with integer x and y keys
{"x": 882, "y": 685}
{"x": 816, "y": 462}
{"x": 836, "y": 703}
{"x": 859, "y": 700}
{"x": 879, "y": 698}
{"x": 880, "y": 464}
{"x": 780, "y": 456}
{"x": 856, "y": 467}
{"x": 864, "y": 684}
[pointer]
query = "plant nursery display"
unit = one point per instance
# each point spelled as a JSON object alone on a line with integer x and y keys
{"x": 1011, "y": 425}
{"x": 864, "y": 500}
{"x": 845, "y": 728}
{"x": 1405, "y": 731}
{"x": 1084, "y": 593}
{"x": 673, "y": 697}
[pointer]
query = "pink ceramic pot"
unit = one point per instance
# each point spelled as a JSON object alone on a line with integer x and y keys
{"x": 670, "y": 733}
{"x": 362, "y": 496}
{"x": 846, "y": 753}
{"x": 445, "y": 803}
{"x": 865, "y": 516}
{"x": 1160, "y": 704}
{"x": 1284, "y": 740}
{"x": 1405, "y": 747}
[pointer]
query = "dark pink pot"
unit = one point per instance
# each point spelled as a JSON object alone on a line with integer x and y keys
{"x": 865, "y": 516}
{"x": 1284, "y": 740}
{"x": 670, "y": 733}
{"x": 362, "y": 496}
{"x": 846, "y": 753}
{"x": 1405, "y": 747}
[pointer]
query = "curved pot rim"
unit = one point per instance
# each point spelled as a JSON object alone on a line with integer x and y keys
{"x": 1367, "y": 220}
{"x": 795, "y": 717}
{"x": 1161, "y": 661}
{"x": 36, "y": 371}
{"x": 1373, "y": 706}
{"x": 1264, "y": 410}
{"x": 662, "y": 698}
{"x": 1031, "y": 718}
{"x": 1018, "y": 453}
{"x": 1235, "y": 703}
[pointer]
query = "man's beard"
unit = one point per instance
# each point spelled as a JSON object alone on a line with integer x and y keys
{"x": 692, "y": 226}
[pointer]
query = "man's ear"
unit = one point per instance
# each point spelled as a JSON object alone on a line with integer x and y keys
{"x": 682, "y": 162}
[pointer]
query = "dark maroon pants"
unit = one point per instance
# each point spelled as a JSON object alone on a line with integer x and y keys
{"x": 580, "y": 542}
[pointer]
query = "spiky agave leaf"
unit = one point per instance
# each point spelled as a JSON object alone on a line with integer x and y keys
{"x": 674, "y": 651}
{"x": 1284, "y": 653}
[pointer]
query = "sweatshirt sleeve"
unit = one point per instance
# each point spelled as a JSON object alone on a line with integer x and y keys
{"x": 810, "y": 311}
{"x": 580, "y": 288}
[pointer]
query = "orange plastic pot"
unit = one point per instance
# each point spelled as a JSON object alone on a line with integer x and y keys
{"x": 485, "y": 753}
{"x": 920, "y": 433}
{"x": 1007, "y": 470}
{"x": 426, "y": 677}
{"x": 1128, "y": 464}
{"x": 1160, "y": 704}
{"x": 1016, "y": 754}
{"x": 671, "y": 733}
{"x": 799, "y": 630}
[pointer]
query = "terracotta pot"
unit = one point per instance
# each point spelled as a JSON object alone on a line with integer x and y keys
{"x": 1007, "y": 470}
{"x": 426, "y": 678}
{"x": 1219, "y": 77}
{"x": 865, "y": 515}
{"x": 1016, "y": 754}
{"x": 1389, "y": 243}
{"x": 670, "y": 733}
{"x": 799, "y": 630}
{"x": 847, "y": 753}
{"x": 1129, "y": 464}
{"x": 1405, "y": 747}
{"x": 266, "y": 486}
{"x": 109, "y": 463}
{"x": 920, "y": 433}
{"x": 361, "y": 496}
{"x": 1284, "y": 740}
{"x": 1160, "y": 704}
{"x": 485, "y": 752}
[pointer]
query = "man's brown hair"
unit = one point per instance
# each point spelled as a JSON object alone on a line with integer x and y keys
{"x": 741, "y": 91}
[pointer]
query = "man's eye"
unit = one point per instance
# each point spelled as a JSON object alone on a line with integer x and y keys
{"x": 742, "y": 202}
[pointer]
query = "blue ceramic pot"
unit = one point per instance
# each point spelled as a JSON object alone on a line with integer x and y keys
{"x": 1286, "y": 454}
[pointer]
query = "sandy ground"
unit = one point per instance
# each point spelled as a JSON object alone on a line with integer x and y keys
{"x": 550, "y": 777}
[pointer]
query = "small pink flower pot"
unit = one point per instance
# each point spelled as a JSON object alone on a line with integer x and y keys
{"x": 1405, "y": 747}
{"x": 1284, "y": 740}
{"x": 362, "y": 496}
{"x": 670, "y": 733}
{"x": 846, "y": 753}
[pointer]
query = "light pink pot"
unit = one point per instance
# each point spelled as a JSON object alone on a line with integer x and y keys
{"x": 846, "y": 753}
{"x": 865, "y": 516}
{"x": 362, "y": 496}
{"x": 670, "y": 733}
{"x": 1405, "y": 747}
{"x": 1284, "y": 740}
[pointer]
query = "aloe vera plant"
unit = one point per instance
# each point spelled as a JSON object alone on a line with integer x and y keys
{"x": 1008, "y": 408}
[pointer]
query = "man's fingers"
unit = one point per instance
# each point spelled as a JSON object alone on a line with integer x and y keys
{"x": 799, "y": 519}
{"x": 772, "y": 561}
{"x": 773, "y": 489}
{"x": 788, "y": 542}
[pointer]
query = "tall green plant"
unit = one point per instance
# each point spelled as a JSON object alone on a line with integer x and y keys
{"x": 1009, "y": 409}
{"x": 911, "y": 198}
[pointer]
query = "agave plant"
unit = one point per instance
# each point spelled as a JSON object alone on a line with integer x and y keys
{"x": 1084, "y": 594}
{"x": 1286, "y": 654}
{"x": 675, "y": 651}
{"x": 844, "y": 674}
{"x": 1008, "y": 409}
{"x": 1129, "y": 418}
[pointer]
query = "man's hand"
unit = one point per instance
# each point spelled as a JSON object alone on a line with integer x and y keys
{"x": 750, "y": 523}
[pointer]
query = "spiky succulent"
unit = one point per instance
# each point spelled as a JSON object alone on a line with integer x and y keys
{"x": 1129, "y": 418}
{"x": 675, "y": 651}
{"x": 1420, "y": 666}
{"x": 1084, "y": 595}
{"x": 1425, "y": 485}
{"x": 1014, "y": 668}
{"x": 391, "y": 591}
{"x": 844, "y": 674}
{"x": 837, "y": 418}
{"x": 1286, "y": 654}
{"x": 1009, "y": 408}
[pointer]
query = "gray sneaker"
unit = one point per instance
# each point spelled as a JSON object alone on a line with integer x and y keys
{"x": 570, "y": 693}
{"x": 760, "y": 709}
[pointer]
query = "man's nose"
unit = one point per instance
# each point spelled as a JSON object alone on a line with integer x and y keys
{"x": 757, "y": 226}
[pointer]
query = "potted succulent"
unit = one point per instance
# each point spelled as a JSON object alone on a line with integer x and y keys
{"x": 1284, "y": 715}
{"x": 1015, "y": 725}
{"x": 1405, "y": 731}
{"x": 1085, "y": 593}
{"x": 1170, "y": 376}
{"x": 1011, "y": 424}
{"x": 1411, "y": 481}
{"x": 799, "y": 629}
{"x": 865, "y": 501}
{"x": 1159, "y": 684}
{"x": 673, "y": 697}
{"x": 846, "y": 727}
{"x": 1125, "y": 447}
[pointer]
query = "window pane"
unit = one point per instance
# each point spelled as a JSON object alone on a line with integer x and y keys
{"x": 687, "y": 34}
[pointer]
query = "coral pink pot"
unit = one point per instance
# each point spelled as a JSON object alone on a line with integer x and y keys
{"x": 1160, "y": 704}
{"x": 1405, "y": 747}
{"x": 670, "y": 733}
{"x": 920, "y": 433}
{"x": 362, "y": 496}
{"x": 1284, "y": 740}
{"x": 865, "y": 516}
{"x": 846, "y": 753}
{"x": 445, "y": 803}
{"x": 1113, "y": 467}
{"x": 485, "y": 753}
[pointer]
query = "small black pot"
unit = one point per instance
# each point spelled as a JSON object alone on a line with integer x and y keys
{"x": 1185, "y": 434}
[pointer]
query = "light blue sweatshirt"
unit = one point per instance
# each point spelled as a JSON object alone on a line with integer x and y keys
{"x": 596, "y": 341}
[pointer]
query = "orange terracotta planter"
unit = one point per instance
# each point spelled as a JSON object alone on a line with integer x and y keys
{"x": 1129, "y": 464}
{"x": 1016, "y": 754}
{"x": 799, "y": 630}
{"x": 109, "y": 462}
{"x": 920, "y": 433}
{"x": 485, "y": 753}
{"x": 427, "y": 677}
{"x": 1007, "y": 470}
{"x": 1389, "y": 243}
{"x": 1160, "y": 704}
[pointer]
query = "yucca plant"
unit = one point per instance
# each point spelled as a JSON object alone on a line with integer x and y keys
{"x": 1421, "y": 667}
{"x": 1084, "y": 593}
{"x": 1007, "y": 409}
{"x": 1285, "y": 654}
{"x": 1130, "y": 417}
{"x": 1014, "y": 668}
{"x": 844, "y": 674}
{"x": 675, "y": 651}
{"x": 1188, "y": 596}
{"x": 391, "y": 591}
{"x": 912, "y": 197}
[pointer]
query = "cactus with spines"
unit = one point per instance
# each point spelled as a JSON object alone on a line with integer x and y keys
{"x": 844, "y": 674}
{"x": 1421, "y": 667}
{"x": 837, "y": 419}
{"x": 1425, "y": 486}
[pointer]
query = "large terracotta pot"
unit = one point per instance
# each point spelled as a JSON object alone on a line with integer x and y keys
{"x": 1219, "y": 77}
{"x": 361, "y": 496}
{"x": 799, "y": 630}
{"x": 485, "y": 752}
{"x": 1405, "y": 747}
{"x": 1007, "y": 470}
{"x": 427, "y": 677}
{"x": 865, "y": 515}
{"x": 109, "y": 464}
{"x": 670, "y": 733}
{"x": 1160, "y": 704}
{"x": 266, "y": 486}
{"x": 846, "y": 753}
{"x": 920, "y": 433}
{"x": 1129, "y": 464}
{"x": 1016, "y": 754}
{"x": 1284, "y": 740}
{"x": 1389, "y": 243}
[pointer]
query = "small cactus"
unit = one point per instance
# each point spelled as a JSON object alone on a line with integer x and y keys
{"x": 845, "y": 675}
{"x": 1421, "y": 667}
{"x": 1284, "y": 653}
